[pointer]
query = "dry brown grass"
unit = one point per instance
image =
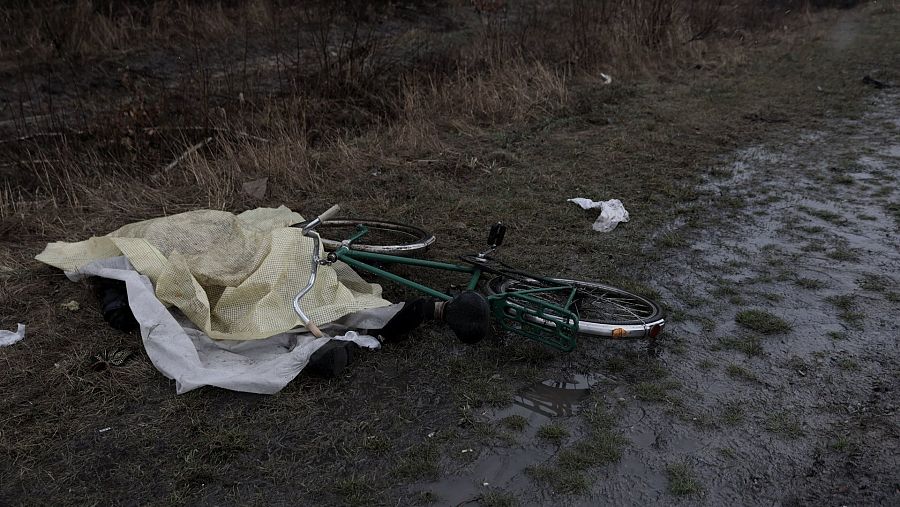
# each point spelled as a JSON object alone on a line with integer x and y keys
{"x": 337, "y": 97}
{"x": 448, "y": 118}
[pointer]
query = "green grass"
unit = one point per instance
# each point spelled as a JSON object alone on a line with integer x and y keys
{"x": 749, "y": 345}
{"x": 732, "y": 414}
{"x": 784, "y": 424}
{"x": 836, "y": 335}
{"x": 599, "y": 448}
{"x": 561, "y": 481}
{"x": 514, "y": 422}
{"x": 843, "y": 179}
{"x": 846, "y": 306}
{"x": 672, "y": 239}
{"x": 828, "y": 216}
{"x": 874, "y": 283}
{"x": 683, "y": 480}
{"x": 739, "y": 373}
{"x": 418, "y": 463}
{"x": 809, "y": 283}
{"x": 356, "y": 491}
{"x": 762, "y": 321}
{"x": 841, "y": 444}
{"x": 847, "y": 364}
{"x": 655, "y": 391}
{"x": 844, "y": 253}
{"x": 553, "y": 433}
{"x": 706, "y": 364}
{"x": 498, "y": 499}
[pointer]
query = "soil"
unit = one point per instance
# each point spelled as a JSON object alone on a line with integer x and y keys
{"x": 805, "y": 415}
{"x": 762, "y": 183}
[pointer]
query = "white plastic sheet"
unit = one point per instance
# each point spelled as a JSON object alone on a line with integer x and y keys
{"x": 182, "y": 352}
{"x": 611, "y": 212}
{"x": 7, "y": 338}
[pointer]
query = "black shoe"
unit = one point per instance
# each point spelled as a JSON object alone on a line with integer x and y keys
{"x": 408, "y": 318}
{"x": 114, "y": 304}
{"x": 332, "y": 358}
{"x": 468, "y": 315}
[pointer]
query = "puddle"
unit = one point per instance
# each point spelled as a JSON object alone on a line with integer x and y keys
{"x": 753, "y": 415}
{"x": 503, "y": 468}
{"x": 550, "y": 398}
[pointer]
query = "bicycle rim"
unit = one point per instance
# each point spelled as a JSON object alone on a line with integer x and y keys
{"x": 383, "y": 237}
{"x": 602, "y": 310}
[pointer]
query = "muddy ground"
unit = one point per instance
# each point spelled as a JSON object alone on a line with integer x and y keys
{"x": 761, "y": 177}
{"x": 780, "y": 381}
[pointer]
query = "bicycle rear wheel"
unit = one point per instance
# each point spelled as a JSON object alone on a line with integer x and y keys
{"x": 383, "y": 237}
{"x": 602, "y": 310}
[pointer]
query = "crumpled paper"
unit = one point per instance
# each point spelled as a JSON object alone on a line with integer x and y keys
{"x": 611, "y": 212}
{"x": 7, "y": 338}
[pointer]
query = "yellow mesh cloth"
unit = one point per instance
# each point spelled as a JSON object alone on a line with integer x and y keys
{"x": 234, "y": 276}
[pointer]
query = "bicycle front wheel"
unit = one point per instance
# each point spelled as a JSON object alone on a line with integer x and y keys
{"x": 384, "y": 237}
{"x": 602, "y": 310}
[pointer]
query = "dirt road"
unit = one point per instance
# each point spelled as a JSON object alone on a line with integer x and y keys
{"x": 782, "y": 382}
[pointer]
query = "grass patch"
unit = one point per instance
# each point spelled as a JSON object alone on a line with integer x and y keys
{"x": 762, "y": 322}
{"x": 828, "y": 216}
{"x": 874, "y": 283}
{"x": 656, "y": 391}
{"x": 561, "y": 481}
{"x": 420, "y": 462}
{"x": 672, "y": 239}
{"x": 844, "y": 254}
{"x": 514, "y": 422}
{"x": 553, "y": 433}
{"x": 836, "y": 335}
{"x": 784, "y": 424}
{"x": 848, "y": 364}
{"x": 841, "y": 444}
{"x": 600, "y": 448}
{"x": 749, "y": 345}
{"x": 843, "y": 179}
{"x": 682, "y": 480}
{"x": 732, "y": 414}
{"x": 498, "y": 499}
{"x": 846, "y": 306}
{"x": 706, "y": 364}
{"x": 809, "y": 283}
{"x": 356, "y": 491}
{"x": 739, "y": 373}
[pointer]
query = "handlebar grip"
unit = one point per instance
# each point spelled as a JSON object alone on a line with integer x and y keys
{"x": 330, "y": 212}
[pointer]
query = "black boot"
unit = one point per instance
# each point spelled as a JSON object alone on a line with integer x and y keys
{"x": 468, "y": 315}
{"x": 114, "y": 303}
{"x": 331, "y": 359}
{"x": 408, "y": 318}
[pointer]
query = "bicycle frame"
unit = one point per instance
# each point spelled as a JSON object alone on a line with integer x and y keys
{"x": 517, "y": 311}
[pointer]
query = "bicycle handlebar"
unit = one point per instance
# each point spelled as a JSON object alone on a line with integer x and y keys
{"x": 307, "y": 231}
{"x": 330, "y": 212}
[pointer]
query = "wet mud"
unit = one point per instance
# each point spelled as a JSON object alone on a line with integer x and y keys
{"x": 779, "y": 380}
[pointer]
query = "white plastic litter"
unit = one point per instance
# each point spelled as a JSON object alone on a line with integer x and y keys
{"x": 611, "y": 212}
{"x": 7, "y": 338}
{"x": 182, "y": 352}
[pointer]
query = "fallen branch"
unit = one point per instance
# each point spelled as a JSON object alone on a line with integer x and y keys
{"x": 213, "y": 129}
{"x": 39, "y": 134}
{"x": 193, "y": 149}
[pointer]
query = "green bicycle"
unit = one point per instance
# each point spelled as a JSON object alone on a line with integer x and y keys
{"x": 552, "y": 311}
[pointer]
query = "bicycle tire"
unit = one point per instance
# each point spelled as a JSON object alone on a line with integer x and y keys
{"x": 602, "y": 310}
{"x": 384, "y": 237}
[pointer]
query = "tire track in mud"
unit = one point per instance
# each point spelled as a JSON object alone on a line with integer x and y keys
{"x": 796, "y": 404}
